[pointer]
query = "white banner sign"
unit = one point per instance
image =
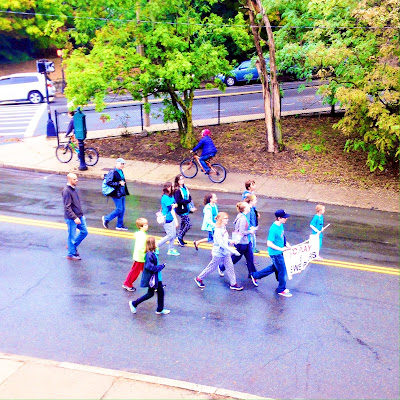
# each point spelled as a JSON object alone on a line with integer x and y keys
{"x": 298, "y": 257}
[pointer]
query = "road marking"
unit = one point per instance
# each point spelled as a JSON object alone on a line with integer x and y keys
{"x": 21, "y": 128}
{"x": 30, "y": 130}
{"x": 206, "y": 246}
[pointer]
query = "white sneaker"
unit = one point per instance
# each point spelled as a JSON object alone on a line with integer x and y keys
{"x": 173, "y": 253}
{"x": 132, "y": 307}
{"x": 221, "y": 273}
{"x": 129, "y": 289}
{"x": 163, "y": 312}
{"x": 286, "y": 293}
{"x": 254, "y": 281}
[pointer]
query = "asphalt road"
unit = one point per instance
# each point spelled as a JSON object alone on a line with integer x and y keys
{"x": 247, "y": 100}
{"x": 337, "y": 337}
{"x": 25, "y": 120}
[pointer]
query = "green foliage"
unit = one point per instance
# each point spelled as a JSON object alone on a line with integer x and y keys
{"x": 183, "y": 45}
{"x": 171, "y": 146}
{"x": 355, "y": 46}
{"x": 306, "y": 146}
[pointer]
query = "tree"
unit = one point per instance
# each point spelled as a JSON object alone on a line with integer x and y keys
{"x": 271, "y": 92}
{"x": 183, "y": 46}
{"x": 355, "y": 46}
{"x": 264, "y": 77}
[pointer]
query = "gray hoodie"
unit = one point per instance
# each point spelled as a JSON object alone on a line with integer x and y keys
{"x": 242, "y": 227}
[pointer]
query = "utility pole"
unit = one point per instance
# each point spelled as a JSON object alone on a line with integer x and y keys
{"x": 43, "y": 67}
{"x": 140, "y": 50}
{"x": 60, "y": 54}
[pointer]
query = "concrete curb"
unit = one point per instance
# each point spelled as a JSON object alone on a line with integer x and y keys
{"x": 166, "y": 382}
{"x": 38, "y": 155}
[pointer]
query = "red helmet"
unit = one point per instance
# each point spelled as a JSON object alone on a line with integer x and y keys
{"x": 205, "y": 132}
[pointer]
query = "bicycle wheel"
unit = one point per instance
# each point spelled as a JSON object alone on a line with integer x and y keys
{"x": 189, "y": 168}
{"x": 217, "y": 173}
{"x": 91, "y": 156}
{"x": 63, "y": 153}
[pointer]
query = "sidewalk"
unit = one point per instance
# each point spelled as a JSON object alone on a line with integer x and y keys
{"x": 38, "y": 154}
{"x": 32, "y": 378}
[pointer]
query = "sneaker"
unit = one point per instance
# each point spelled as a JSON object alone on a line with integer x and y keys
{"x": 163, "y": 312}
{"x": 122, "y": 228}
{"x": 236, "y": 287}
{"x": 181, "y": 242}
{"x": 76, "y": 251}
{"x": 129, "y": 289}
{"x": 195, "y": 246}
{"x": 199, "y": 282}
{"x": 256, "y": 251}
{"x": 286, "y": 293}
{"x": 74, "y": 258}
{"x": 132, "y": 307}
{"x": 254, "y": 281}
{"x": 105, "y": 223}
{"x": 221, "y": 273}
{"x": 173, "y": 253}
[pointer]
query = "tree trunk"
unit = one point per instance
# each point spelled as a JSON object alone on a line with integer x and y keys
{"x": 276, "y": 103}
{"x": 185, "y": 123}
{"x": 262, "y": 72}
{"x": 188, "y": 140}
{"x": 179, "y": 121}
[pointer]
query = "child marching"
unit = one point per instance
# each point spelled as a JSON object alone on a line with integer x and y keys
{"x": 139, "y": 252}
{"x": 210, "y": 212}
{"x": 152, "y": 279}
{"x": 221, "y": 254}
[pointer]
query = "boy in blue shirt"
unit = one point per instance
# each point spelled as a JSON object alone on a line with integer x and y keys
{"x": 276, "y": 245}
{"x": 208, "y": 149}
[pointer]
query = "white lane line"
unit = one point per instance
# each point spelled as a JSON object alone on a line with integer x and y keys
{"x": 12, "y": 129}
{"x": 10, "y": 122}
{"x": 30, "y": 130}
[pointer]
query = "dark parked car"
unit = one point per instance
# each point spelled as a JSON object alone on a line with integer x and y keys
{"x": 246, "y": 71}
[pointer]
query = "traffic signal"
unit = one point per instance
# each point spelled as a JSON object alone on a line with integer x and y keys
{"x": 44, "y": 66}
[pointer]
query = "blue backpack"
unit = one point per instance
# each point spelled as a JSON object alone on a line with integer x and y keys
{"x": 105, "y": 188}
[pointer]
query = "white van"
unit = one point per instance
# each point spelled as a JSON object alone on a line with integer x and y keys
{"x": 28, "y": 86}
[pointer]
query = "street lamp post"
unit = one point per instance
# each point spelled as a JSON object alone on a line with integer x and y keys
{"x": 44, "y": 66}
{"x": 60, "y": 54}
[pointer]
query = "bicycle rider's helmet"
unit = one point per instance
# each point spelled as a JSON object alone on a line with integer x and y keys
{"x": 205, "y": 132}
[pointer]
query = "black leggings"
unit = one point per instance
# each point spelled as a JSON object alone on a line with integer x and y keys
{"x": 150, "y": 294}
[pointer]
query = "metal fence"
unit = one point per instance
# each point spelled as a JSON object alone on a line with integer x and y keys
{"x": 115, "y": 120}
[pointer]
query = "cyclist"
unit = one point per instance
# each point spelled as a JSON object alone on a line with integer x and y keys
{"x": 208, "y": 149}
{"x": 71, "y": 126}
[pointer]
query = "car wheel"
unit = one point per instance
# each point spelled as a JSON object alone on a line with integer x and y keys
{"x": 230, "y": 81}
{"x": 35, "y": 97}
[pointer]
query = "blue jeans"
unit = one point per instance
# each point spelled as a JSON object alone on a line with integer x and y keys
{"x": 203, "y": 159}
{"x": 73, "y": 240}
{"x": 245, "y": 250}
{"x": 118, "y": 212}
{"x": 278, "y": 266}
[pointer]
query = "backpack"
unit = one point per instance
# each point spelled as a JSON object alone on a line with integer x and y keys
{"x": 105, "y": 188}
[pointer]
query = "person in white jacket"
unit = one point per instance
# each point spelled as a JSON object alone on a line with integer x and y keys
{"x": 221, "y": 254}
{"x": 210, "y": 212}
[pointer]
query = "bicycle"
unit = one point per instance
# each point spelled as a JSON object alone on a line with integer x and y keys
{"x": 190, "y": 166}
{"x": 64, "y": 153}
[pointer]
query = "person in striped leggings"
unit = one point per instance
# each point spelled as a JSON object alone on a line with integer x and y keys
{"x": 183, "y": 199}
{"x": 221, "y": 254}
